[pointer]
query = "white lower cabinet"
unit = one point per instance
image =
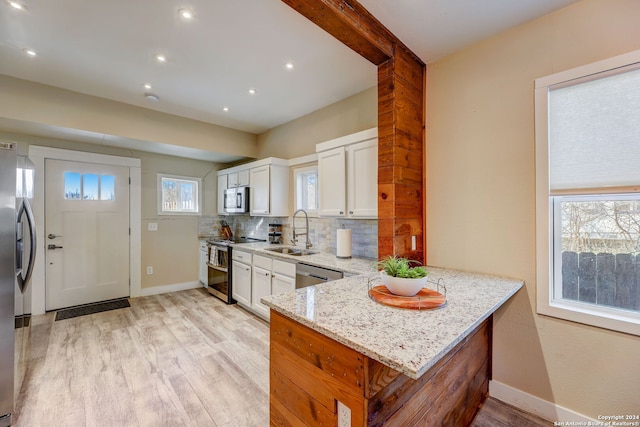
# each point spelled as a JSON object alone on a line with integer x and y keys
{"x": 270, "y": 276}
{"x": 241, "y": 278}
{"x": 260, "y": 284}
{"x": 203, "y": 268}
{"x": 283, "y": 278}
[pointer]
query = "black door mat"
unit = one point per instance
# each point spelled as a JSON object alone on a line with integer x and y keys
{"x": 99, "y": 307}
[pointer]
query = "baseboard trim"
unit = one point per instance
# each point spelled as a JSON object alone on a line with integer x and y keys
{"x": 532, "y": 404}
{"x": 156, "y": 290}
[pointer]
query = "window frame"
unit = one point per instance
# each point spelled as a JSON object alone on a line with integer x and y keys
{"x": 178, "y": 179}
{"x": 547, "y": 304}
{"x": 303, "y": 170}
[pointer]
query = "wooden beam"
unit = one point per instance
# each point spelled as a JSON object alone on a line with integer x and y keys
{"x": 340, "y": 17}
{"x": 401, "y": 93}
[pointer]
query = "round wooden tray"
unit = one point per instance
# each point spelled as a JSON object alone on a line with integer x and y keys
{"x": 426, "y": 299}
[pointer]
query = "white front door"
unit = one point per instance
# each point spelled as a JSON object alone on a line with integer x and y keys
{"x": 86, "y": 232}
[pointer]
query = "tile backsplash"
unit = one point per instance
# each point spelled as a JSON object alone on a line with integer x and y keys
{"x": 322, "y": 231}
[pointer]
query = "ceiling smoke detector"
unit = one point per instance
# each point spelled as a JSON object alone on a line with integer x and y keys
{"x": 151, "y": 97}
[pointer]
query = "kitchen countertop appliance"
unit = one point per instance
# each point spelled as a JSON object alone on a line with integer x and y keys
{"x": 220, "y": 275}
{"x": 309, "y": 275}
{"x": 17, "y": 236}
{"x": 236, "y": 200}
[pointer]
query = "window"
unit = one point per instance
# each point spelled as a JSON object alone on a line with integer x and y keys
{"x": 88, "y": 186}
{"x": 178, "y": 195}
{"x": 588, "y": 194}
{"x": 306, "y": 195}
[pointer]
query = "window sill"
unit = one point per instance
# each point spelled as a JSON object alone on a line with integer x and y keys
{"x": 617, "y": 320}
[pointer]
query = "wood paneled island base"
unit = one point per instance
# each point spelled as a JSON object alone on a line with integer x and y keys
{"x": 310, "y": 373}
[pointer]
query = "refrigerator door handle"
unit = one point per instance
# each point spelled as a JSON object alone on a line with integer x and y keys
{"x": 23, "y": 280}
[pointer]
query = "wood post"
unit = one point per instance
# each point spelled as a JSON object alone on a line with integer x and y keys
{"x": 401, "y": 93}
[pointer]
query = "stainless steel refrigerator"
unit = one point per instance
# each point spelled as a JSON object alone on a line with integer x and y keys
{"x": 17, "y": 233}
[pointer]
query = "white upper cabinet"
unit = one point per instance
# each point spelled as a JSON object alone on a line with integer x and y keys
{"x": 268, "y": 181}
{"x": 332, "y": 182}
{"x": 222, "y": 185}
{"x": 348, "y": 176}
{"x": 260, "y": 190}
{"x": 269, "y": 193}
{"x": 362, "y": 179}
{"x": 238, "y": 179}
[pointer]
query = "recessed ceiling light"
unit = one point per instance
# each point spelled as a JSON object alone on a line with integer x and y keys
{"x": 289, "y": 65}
{"x": 161, "y": 58}
{"x": 30, "y": 52}
{"x": 252, "y": 91}
{"x": 225, "y": 108}
{"x": 147, "y": 86}
{"x": 16, "y": 5}
{"x": 152, "y": 97}
{"x": 185, "y": 14}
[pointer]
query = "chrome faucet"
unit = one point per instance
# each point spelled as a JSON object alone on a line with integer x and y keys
{"x": 306, "y": 232}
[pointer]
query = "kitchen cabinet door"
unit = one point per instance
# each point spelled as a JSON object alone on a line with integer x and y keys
{"x": 362, "y": 180}
{"x": 260, "y": 287}
{"x": 332, "y": 182}
{"x": 222, "y": 185}
{"x": 243, "y": 178}
{"x": 203, "y": 272}
{"x": 281, "y": 284}
{"x": 238, "y": 179}
{"x": 241, "y": 283}
{"x": 260, "y": 186}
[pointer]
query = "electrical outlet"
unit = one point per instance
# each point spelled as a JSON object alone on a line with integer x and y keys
{"x": 344, "y": 415}
{"x": 413, "y": 243}
{"x": 153, "y": 226}
{"x": 149, "y": 270}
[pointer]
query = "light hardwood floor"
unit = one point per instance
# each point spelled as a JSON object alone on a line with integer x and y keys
{"x": 178, "y": 359}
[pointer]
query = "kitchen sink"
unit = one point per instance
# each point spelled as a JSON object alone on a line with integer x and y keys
{"x": 292, "y": 251}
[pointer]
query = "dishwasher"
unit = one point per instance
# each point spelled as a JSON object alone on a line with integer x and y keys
{"x": 309, "y": 275}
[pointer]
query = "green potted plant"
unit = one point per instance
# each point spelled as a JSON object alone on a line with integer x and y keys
{"x": 402, "y": 276}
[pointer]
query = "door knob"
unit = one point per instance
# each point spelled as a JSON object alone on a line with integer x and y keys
{"x": 53, "y": 247}
{"x": 52, "y": 236}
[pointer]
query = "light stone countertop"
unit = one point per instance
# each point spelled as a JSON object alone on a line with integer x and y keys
{"x": 409, "y": 341}
{"x": 320, "y": 259}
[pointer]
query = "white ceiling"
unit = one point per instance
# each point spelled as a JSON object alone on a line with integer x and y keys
{"x": 436, "y": 28}
{"x": 106, "y": 49}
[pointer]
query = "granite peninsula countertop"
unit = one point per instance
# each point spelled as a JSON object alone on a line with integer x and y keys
{"x": 409, "y": 341}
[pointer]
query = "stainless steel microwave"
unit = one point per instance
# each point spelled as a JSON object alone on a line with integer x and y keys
{"x": 236, "y": 200}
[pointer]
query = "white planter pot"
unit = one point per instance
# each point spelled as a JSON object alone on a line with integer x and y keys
{"x": 402, "y": 286}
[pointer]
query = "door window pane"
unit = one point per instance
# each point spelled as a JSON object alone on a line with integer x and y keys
{"x": 72, "y": 186}
{"x": 107, "y": 187}
{"x": 90, "y": 190}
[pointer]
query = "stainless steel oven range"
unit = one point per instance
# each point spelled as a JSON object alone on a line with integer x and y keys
{"x": 219, "y": 267}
